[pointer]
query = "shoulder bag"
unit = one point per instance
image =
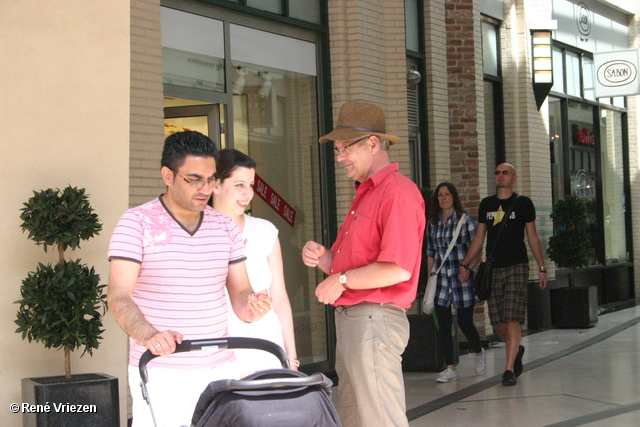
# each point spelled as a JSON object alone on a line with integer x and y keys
{"x": 482, "y": 279}
{"x": 428, "y": 303}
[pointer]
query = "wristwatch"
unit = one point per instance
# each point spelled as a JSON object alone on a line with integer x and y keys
{"x": 343, "y": 280}
{"x": 543, "y": 269}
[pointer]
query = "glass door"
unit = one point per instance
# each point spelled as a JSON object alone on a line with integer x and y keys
{"x": 184, "y": 114}
{"x": 274, "y": 110}
{"x": 265, "y": 84}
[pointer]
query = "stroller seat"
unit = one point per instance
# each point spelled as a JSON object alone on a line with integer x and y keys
{"x": 268, "y": 398}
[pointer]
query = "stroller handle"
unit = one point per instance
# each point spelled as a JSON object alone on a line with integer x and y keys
{"x": 220, "y": 344}
{"x": 311, "y": 380}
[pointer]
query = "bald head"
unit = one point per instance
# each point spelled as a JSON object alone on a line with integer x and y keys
{"x": 511, "y": 168}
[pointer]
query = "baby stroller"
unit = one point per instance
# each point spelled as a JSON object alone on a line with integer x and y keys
{"x": 273, "y": 397}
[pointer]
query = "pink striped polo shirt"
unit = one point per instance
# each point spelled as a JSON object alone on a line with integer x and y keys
{"x": 181, "y": 284}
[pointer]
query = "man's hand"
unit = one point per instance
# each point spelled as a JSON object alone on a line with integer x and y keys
{"x": 543, "y": 279}
{"x": 312, "y": 252}
{"x": 329, "y": 290}
{"x": 463, "y": 274}
{"x": 164, "y": 342}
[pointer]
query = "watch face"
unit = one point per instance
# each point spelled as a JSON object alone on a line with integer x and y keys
{"x": 343, "y": 278}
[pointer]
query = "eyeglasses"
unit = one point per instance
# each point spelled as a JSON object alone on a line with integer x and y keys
{"x": 197, "y": 183}
{"x": 345, "y": 150}
{"x": 503, "y": 172}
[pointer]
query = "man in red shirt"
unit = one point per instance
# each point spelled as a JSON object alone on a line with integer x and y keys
{"x": 373, "y": 270}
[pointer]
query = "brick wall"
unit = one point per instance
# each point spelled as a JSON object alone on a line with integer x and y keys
{"x": 146, "y": 135}
{"x": 147, "y": 116}
{"x": 436, "y": 84}
{"x": 464, "y": 67}
{"x": 368, "y": 63}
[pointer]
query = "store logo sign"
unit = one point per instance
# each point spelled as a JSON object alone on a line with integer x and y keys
{"x": 617, "y": 73}
{"x": 583, "y": 18}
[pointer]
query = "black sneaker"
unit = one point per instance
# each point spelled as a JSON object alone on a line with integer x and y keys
{"x": 517, "y": 365}
{"x": 509, "y": 379}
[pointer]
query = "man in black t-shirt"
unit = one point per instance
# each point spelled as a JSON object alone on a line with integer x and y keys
{"x": 508, "y": 299}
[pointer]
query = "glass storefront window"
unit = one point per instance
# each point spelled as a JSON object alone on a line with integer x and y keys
{"x": 558, "y": 70}
{"x": 305, "y": 10}
{"x": 412, "y": 28}
{"x": 275, "y": 122}
{"x": 619, "y": 101}
{"x": 588, "y": 78}
{"x": 274, "y": 6}
{"x": 490, "y": 131}
{"x": 490, "y": 49}
{"x": 556, "y": 148}
{"x": 573, "y": 73}
{"x": 582, "y": 163}
{"x": 613, "y": 197}
{"x": 192, "y": 51}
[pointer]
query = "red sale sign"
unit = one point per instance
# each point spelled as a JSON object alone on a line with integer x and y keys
{"x": 273, "y": 199}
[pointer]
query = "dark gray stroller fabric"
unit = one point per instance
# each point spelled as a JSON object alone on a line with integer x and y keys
{"x": 290, "y": 406}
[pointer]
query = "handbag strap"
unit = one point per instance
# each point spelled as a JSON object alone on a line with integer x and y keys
{"x": 453, "y": 242}
{"x": 502, "y": 223}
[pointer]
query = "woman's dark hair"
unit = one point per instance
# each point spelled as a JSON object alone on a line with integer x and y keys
{"x": 228, "y": 160}
{"x": 179, "y": 145}
{"x": 433, "y": 211}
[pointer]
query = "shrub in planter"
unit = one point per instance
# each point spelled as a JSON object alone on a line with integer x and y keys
{"x": 61, "y": 305}
{"x": 570, "y": 245}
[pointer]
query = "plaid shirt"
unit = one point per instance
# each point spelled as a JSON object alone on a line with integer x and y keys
{"x": 438, "y": 239}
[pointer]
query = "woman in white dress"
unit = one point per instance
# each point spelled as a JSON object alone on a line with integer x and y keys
{"x": 232, "y": 192}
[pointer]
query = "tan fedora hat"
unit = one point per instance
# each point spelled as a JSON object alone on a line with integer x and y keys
{"x": 358, "y": 119}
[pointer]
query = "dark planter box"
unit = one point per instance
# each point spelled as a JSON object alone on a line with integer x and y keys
{"x": 87, "y": 400}
{"x": 424, "y": 352}
{"x": 574, "y": 308}
{"x": 538, "y": 307}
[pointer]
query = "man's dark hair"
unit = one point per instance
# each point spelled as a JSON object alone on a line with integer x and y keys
{"x": 179, "y": 145}
{"x": 228, "y": 160}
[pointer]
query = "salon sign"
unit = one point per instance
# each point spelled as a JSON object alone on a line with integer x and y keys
{"x": 617, "y": 73}
{"x": 273, "y": 199}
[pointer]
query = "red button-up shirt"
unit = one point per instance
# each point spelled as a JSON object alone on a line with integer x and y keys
{"x": 385, "y": 223}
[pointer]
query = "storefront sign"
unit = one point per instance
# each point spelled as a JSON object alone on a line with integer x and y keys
{"x": 274, "y": 200}
{"x": 583, "y": 19}
{"x": 588, "y": 25}
{"x": 617, "y": 73}
{"x": 585, "y": 137}
{"x": 259, "y": 109}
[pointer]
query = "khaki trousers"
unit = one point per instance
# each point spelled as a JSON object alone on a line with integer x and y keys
{"x": 370, "y": 341}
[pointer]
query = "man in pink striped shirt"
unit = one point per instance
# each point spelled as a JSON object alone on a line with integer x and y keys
{"x": 170, "y": 261}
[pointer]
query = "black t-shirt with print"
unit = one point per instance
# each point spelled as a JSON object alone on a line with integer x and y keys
{"x": 511, "y": 248}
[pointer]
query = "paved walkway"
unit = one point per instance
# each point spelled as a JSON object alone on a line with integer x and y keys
{"x": 571, "y": 377}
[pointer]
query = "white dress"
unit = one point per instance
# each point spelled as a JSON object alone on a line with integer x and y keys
{"x": 260, "y": 237}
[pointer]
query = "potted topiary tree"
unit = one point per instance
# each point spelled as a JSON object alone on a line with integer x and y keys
{"x": 570, "y": 247}
{"x": 61, "y": 306}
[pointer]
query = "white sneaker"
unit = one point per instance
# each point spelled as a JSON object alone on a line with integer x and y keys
{"x": 446, "y": 376}
{"x": 481, "y": 363}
